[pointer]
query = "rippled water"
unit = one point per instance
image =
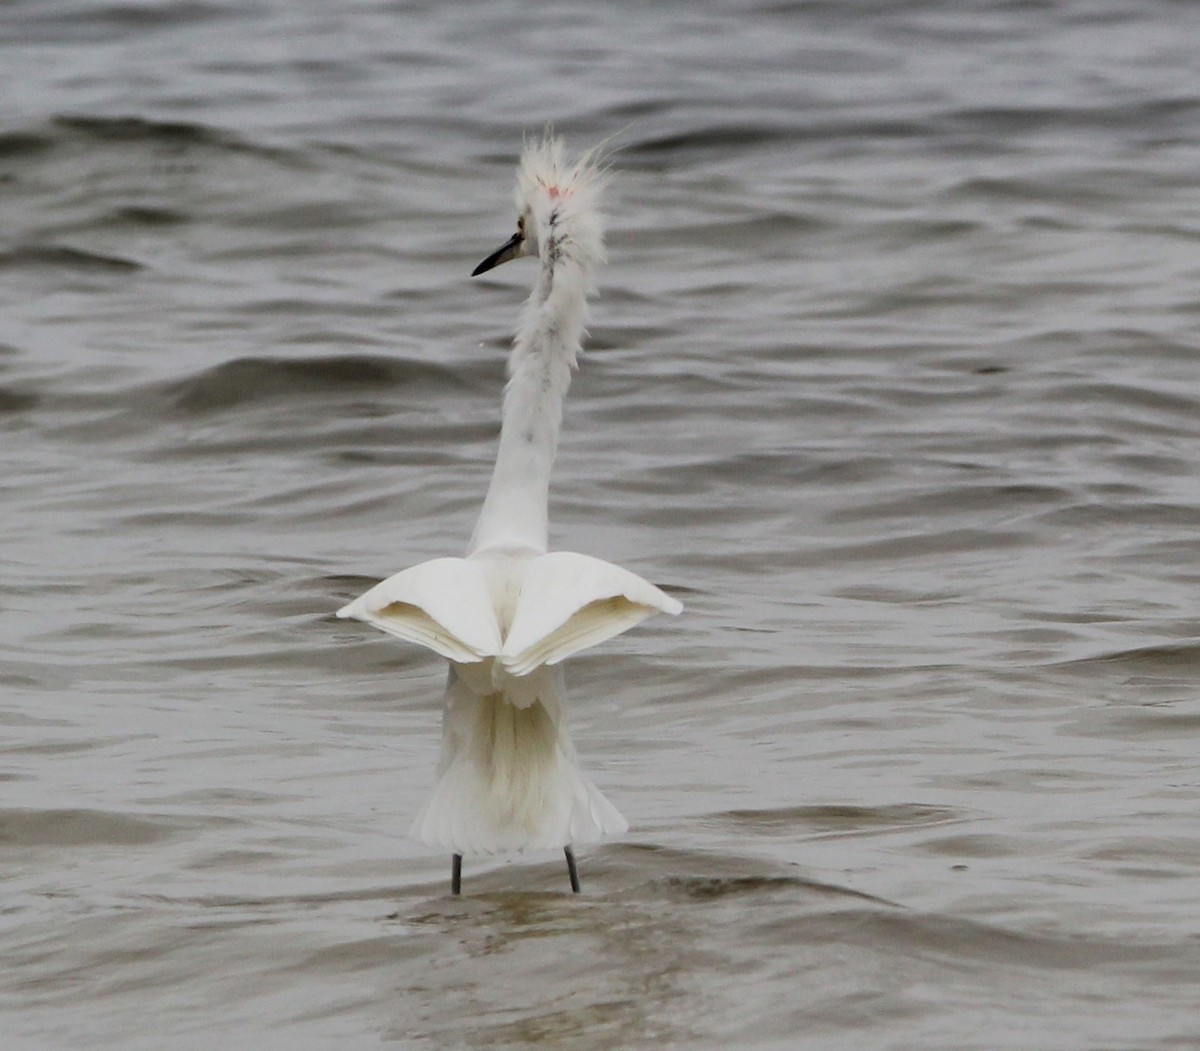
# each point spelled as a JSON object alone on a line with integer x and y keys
{"x": 893, "y": 380}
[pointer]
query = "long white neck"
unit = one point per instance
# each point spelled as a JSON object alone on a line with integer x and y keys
{"x": 515, "y": 511}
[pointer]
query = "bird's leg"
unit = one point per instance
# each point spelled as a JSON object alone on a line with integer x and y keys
{"x": 456, "y": 874}
{"x": 572, "y": 870}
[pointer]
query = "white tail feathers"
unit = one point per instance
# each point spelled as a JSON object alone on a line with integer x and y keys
{"x": 551, "y": 607}
{"x": 509, "y": 779}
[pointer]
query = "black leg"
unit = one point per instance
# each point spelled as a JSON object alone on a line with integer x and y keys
{"x": 456, "y": 874}
{"x": 572, "y": 871}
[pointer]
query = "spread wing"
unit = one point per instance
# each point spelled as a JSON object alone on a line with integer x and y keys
{"x": 443, "y": 604}
{"x": 569, "y": 602}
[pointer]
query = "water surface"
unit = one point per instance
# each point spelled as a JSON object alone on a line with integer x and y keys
{"x": 892, "y": 380}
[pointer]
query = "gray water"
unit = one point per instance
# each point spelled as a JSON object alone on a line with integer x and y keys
{"x": 893, "y": 380}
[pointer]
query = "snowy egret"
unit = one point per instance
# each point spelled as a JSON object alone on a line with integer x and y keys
{"x": 508, "y": 613}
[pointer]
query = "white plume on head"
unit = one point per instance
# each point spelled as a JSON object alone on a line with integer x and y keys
{"x": 559, "y": 202}
{"x": 564, "y": 194}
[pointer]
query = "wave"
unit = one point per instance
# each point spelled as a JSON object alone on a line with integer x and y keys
{"x": 261, "y": 379}
{"x": 66, "y": 257}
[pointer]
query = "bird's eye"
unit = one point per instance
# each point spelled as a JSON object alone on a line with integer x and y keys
{"x": 521, "y": 226}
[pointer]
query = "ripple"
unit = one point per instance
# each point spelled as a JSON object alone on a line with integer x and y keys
{"x": 66, "y": 257}
{"x": 839, "y": 820}
{"x": 77, "y": 828}
{"x": 255, "y": 380}
{"x": 1174, "y": 657}
{"x": 12, "y": 401}
{"x": 134, "y": 129}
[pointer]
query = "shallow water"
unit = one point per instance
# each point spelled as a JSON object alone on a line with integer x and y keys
{"x": 893, "y": 381}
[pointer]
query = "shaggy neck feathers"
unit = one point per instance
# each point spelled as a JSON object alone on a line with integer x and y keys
{"x": 558, "y": 203}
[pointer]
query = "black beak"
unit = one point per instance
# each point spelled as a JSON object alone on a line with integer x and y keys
{"x": 503, "y": 254}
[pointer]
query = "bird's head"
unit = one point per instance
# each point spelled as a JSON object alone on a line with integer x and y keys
{"x": 557, "y": 208}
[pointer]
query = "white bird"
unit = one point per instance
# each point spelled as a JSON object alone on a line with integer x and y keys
{"x": 509, "y": 613}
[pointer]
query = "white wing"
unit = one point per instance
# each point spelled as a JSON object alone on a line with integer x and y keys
{"x": 444, "y": 604}
{"x": 569, "y": 602}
